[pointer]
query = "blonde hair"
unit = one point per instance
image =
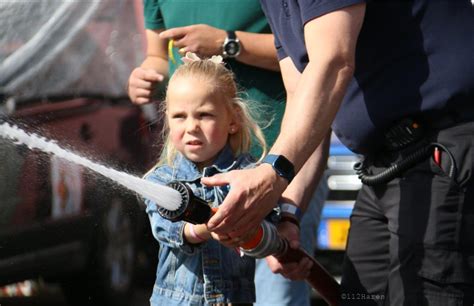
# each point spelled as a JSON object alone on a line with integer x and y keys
{"x": 221, "y": 81}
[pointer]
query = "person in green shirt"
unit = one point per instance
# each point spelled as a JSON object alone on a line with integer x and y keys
{"x": 238, "y": 30}
{"x": 201, "y": 27}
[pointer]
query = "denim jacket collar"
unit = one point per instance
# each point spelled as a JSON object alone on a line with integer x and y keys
{"x": 186, "y": 170}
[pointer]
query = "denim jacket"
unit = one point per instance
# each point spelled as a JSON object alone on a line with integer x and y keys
{"x": 198, "y": 274}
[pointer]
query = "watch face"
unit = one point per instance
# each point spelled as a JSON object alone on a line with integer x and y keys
{"x": 232, "y": 48}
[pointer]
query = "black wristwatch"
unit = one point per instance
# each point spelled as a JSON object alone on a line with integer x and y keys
{"x": 282, "y": 166}
{"x": 231, "y": 46}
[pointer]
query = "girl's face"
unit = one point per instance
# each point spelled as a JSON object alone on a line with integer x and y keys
{"x": 199, "y": 121}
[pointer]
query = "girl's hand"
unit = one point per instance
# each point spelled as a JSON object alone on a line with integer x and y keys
{"x": 233, "y": 242}
{"x": 196, "y": 233}
{"x": 225, "y": 240}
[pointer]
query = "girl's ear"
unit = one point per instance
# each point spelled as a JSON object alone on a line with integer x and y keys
{"x": 234, "y": 126}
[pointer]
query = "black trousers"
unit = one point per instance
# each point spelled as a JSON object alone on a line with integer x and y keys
{"x": 411, "y": 241}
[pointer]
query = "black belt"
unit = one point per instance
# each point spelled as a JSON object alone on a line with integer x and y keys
{"x": 409, "y": 134}
{"x": 410, "y": 130}
{"x": 449, "y": 118}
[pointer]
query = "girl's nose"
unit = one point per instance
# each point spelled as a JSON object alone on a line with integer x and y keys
{"x": 192, "y": 125}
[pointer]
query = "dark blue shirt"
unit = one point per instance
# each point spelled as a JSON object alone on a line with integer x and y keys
{"x": 413, "y": 59}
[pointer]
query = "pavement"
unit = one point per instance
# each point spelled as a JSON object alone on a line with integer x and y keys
{"x": 51, "y": 295}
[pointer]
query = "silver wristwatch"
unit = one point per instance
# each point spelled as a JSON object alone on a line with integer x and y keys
{"x": 231, "y": 47}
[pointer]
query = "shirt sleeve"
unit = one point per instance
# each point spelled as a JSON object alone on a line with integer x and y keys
{"x": 311, "y": 9}
{"x": 152, "y": 14}
{"x": 281, "y": 53}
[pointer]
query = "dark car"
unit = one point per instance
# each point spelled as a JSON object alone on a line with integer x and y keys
{"x": 63, "y": 70}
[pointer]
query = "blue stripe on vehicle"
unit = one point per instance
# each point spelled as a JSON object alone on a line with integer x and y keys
{"x": 337, "y": 211}
{"x": 339, "y": 150}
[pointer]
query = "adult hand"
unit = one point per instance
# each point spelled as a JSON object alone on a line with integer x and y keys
{"x": 294, "y": 270}
{"x": 233, "y": 242}
{"x": 201, "y": 39}
{"x": 253, "y": 193}
{"x": 141, "y": 84}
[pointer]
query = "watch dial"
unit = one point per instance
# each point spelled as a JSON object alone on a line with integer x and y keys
{"x": 232, "y": 48}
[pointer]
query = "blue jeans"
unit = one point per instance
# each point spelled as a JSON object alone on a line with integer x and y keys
{"x": 274, "y": 289}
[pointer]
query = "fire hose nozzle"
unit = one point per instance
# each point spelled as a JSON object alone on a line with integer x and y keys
{"x": 192, "y": 209}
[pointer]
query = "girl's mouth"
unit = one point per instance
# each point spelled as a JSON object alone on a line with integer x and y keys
{"x": 194, "y": 143}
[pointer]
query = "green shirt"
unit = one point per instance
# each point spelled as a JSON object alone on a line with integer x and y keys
{"x": 261, "y": 86}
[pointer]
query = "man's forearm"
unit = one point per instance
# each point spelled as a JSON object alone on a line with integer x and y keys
{"x": 310, "y": 112}
{"x": 258, "y": 50}
{"x": 302, "y": 188}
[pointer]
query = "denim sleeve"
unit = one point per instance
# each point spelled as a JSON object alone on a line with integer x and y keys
{"x": 169, "y": 233}
{"x": 165, "y": 231}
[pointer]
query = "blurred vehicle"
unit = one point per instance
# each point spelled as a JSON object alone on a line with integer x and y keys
{"x": 63, "y": 72}
{"x": 343, "y": 186}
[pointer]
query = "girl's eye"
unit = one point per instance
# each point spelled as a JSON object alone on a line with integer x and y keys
{"x": 202, "y": 115}
{"x": 178, "y": 116}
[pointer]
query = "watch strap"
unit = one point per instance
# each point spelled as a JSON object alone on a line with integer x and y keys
{"x": 282, "y": 166}
{"x": 231, "y": 35}
{"x": 291, "y": 209}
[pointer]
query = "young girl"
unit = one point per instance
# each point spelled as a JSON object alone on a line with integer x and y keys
{"x": 209, "y": 131}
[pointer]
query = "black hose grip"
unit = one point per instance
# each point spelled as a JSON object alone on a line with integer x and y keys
{"x": 192, "y": 209}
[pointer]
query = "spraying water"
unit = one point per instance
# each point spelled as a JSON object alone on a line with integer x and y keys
{"x": 163, "y": 196}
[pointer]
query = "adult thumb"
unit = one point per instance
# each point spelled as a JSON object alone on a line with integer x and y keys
{"x": 294, "y": 243}
{"x": 292, "y": 234}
